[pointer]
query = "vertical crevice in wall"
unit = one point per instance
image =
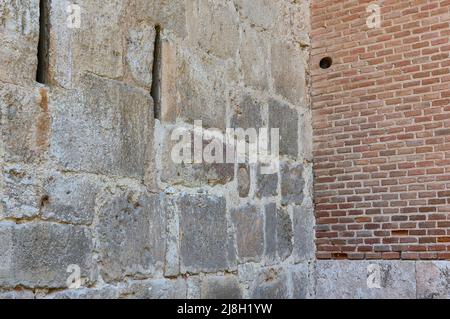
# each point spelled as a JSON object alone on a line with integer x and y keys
{"x": 42, "y": 55}
{"x": 156, "y": 77}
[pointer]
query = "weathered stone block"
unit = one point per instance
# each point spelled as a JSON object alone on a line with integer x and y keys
{"x": 22, "y": 192}
{"x": 16, "y": 294}
{"x": 278, "y": 233}
{"x": 270, "y": 231}
{"x": 19, "y": 35}
{"x": 249, "y": 225}
{"x": 271, "y": 284}
{"x": 282, "y": 117}
{"x": 284, "y": 234}
{"x": 433, "y": 279}
{"x": 244, "y": 180}
{"x": 104, "y": 127}
{"x": 292, "y": 183}
{"x": 289, "y": 71}
{"x": 95, "y": 47}
{"x": 221, "y": 287}
{"x": 261, "y": 13}
{"x": 140, "y": 53}
{"x": 304, "y": 221}
{"x": 214, "y": 26}
{"x": 266, "y": 184}
{"x": 349, "y": 280}
{"x": 70, "y": 199}
{"x": 201, "y": 90}
{"x": 254, "y": 53}
{"x": 300, "y": 276}
{"x": 38, "y": 254}
{"x": 203, "y": 233}
{"x": 155, "y": 289}
{"x": 193, "y": 174}
{"x": 131, "y": 232}
{"x": 25, "y": 123}
{"x": 247, "y": 113}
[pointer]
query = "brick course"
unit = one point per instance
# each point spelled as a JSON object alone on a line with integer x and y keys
{"x": 381, "y": 120}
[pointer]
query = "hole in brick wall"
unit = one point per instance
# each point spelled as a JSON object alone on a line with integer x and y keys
{"x": 326, "y": 63}
{"x": 156, "y": 74}
{"x": 42, "y": 55}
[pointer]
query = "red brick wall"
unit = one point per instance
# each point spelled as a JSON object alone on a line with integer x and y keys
{"x": 382, "y": 130}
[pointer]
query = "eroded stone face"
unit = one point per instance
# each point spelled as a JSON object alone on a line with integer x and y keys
{"x": 221, "y": 287}
{"x": 104, "y": 128}
{"x": 19, "y": 35}
{"x": 131, "y": 234}
{"x": 249, "y": 225}
{"x": 38, "y": 254}
{"x": 203, "y": 233}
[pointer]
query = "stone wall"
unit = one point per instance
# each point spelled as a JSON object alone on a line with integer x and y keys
{"x": 87, "y": 180}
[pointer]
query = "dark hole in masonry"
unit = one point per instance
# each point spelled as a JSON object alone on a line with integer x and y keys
{"x": 326, "y": 63}
{"x": 156, "y": 74}
{"x": 42, "y": 54}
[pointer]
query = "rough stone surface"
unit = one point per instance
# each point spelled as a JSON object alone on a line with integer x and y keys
{"x": 303, "y": 228}
{"x": 348, "y": 279}
{"x": 433, "y": 280}
{"x": 271, "y": 284}
{"x": 244, "y": 180}
{"x": 25, "y": 123}
{"x": 38, "y": 254}
{"x": 221, "y": 287}
{"x": 249, "y": 225}
{"x": 284, "y": 118}
{"x": 155, "y": 289}
{"x": 70, "y": 199}
{"x": 194, "y": 174}
{"x": 119, "y": 116}
{"x": 247, "y": 114}
{"x": 292, "y": 183}
{"x": 267, "y": 184}
{"x": 131, "y": 234}
{"x": 203, "y": 233}
{"x": 19, "y": 34}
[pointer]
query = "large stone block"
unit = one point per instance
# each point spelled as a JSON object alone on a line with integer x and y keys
{"x": 19, "y": 36}
{"x": 95, "y": 47}
{"x": 249, "y": 226}
{"x": 247, "y": 113}
{"x": 292, "y": 183}
{"x": 433, "y": 279}
{"x": 261, "y": 13}
{"x": 203, "y": 234}
{"x": 349, "y": 279}
{"x": 221, "y": 287}
{"x": 284, "y": 118}
{"x": 289, "y": 64}
{"x": 304, "y": 222}
{"x": 38, "y": 254}
{"x": 271, "y": 283}
{"x": 70, "y": 199}
{"x": 25, "y": 123}
{"x": 201, "y": 90}
{"x": 104, "y": 127}
{"x": 214, "y": 26}
{"x": 266, "y": 184}
{"x": 22, "y": 193}
{"x": 131, "y": 233}
{"x": 155, "y": 289}
{"x": 193, "y": 174}
{"x": 254, "y": 53}
{"x": 278, "y": 233}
